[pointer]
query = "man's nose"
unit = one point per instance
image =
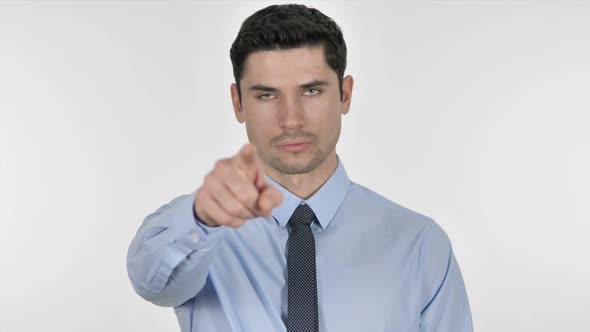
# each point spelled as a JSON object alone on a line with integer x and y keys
{"x": 291, "y": 112}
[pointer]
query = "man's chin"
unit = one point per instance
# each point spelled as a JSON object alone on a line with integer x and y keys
{"x": 291, "y": 164}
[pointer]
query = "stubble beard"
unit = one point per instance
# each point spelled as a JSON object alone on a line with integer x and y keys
{"x": 278, "y": 164}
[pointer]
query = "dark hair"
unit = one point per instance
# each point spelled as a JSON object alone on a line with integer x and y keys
{"x": 288, "y": 26}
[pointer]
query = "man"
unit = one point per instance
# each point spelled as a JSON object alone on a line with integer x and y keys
{"x": 277, "y": 238}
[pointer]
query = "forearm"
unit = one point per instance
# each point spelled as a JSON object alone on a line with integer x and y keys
{"x": 168, "y": 259}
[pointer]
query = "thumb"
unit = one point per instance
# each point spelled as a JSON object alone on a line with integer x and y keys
{"x": 269, "y": 198}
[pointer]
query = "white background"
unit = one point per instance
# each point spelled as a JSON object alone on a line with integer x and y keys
{"x": 474, "y": 113}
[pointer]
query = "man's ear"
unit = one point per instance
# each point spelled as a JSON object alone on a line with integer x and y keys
{"x": 347, "y": 84}
{"x": 235, "y": 100}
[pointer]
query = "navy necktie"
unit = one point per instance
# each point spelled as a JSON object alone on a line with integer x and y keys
{"x": 302, "y": 296}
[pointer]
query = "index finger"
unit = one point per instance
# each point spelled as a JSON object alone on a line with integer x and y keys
{"x": 248, "y": 161}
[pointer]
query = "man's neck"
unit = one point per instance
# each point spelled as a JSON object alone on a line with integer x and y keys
{"x": 306, "y": 184}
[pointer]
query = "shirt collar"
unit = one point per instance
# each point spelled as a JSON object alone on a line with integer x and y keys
{"x": 324, "y": 203}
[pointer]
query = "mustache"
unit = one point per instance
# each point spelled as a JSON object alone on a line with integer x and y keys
{"x": 293, "y": 135}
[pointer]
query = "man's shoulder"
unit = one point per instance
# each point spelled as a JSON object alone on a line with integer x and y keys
{"x": 388, "y": 210}
{"x": 393, "y": 219}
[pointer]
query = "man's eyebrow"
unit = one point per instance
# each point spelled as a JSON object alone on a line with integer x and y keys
{"x": 260, "y": 87}
{"x": 313, "y": 84}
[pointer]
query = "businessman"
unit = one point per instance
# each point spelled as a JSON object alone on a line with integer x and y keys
{"x": 277, "y": 237}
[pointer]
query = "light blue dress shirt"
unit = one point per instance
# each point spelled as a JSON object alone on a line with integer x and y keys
{"x": 380, "y": 266}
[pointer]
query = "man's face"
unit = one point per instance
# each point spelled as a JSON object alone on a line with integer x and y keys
{"x": 292, "y": 96}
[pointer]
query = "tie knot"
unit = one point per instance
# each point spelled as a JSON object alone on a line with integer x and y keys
{"x": 303, "y": 215}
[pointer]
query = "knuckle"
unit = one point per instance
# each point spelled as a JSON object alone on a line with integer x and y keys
{"x": 234, "y": 209}
{"x": 245, "y": 193}
{"x": 220, "y": 164}
{"x": 248, "y": 198}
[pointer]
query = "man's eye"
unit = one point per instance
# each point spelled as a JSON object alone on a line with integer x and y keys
{"x": 312, "y": 91}
{"x": 265, "y": 96}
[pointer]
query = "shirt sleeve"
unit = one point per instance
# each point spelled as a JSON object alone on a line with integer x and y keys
{"x": 445, "y": 306}
{"x": 168, "y": 259}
